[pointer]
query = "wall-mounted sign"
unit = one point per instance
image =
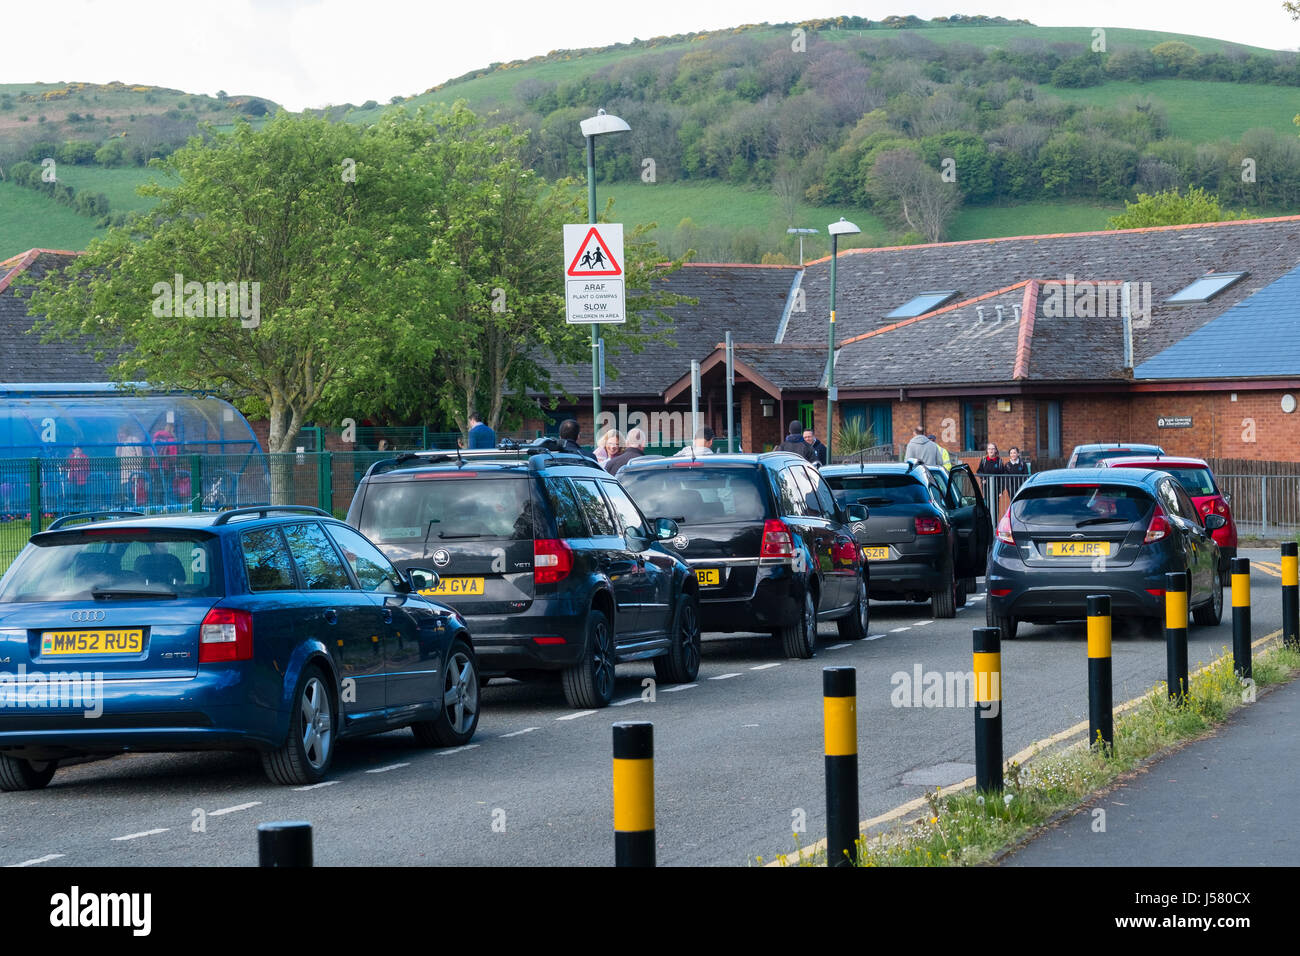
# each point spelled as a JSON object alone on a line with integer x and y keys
{"x": 1174, "y": 421}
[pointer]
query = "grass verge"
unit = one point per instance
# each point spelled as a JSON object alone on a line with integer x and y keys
{"x": 964, "y": 828}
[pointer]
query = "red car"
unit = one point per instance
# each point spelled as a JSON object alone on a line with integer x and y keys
{"x": 1198, "y": 481}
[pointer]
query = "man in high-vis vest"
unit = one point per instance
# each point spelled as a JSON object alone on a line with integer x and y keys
{"x": 945, "y": 459}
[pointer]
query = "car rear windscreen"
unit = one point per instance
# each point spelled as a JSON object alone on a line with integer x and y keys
{"x": 877, "y": 489}
{"x": 1081, "y": 505}
{"x": 104, "y": 563}
{"x": 1089, "y": 457}
{"x": 442, "y": 509}
{"x": 695, "y": 495}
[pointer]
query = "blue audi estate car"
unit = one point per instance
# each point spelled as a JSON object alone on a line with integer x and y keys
{"x": 275, "y": 629}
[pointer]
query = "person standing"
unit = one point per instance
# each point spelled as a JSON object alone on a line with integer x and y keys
{"x": 130, "y": 456}
{"x": 1015, "y": 465}
{"x": 818, "y": 449}
{"x": 945, "y": 458}
{"x": 480, "y": 435}
{"x": 794, "y": 442}
{"x": 635, "y": 449}
{"x": 991, "y": 464}
{"x": 703, "y": 444}
{"x": 922, "y": 449}
{"x": 570, "y": 430}
{"x": 610, "y": 444}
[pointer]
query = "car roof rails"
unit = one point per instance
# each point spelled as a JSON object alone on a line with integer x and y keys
{"x": 263, "y": 511}
{"x": 92, "y": 516}
{"x": 508, "y": 451}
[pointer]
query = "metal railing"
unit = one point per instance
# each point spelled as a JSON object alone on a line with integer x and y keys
{"x": 1263, "y": 505}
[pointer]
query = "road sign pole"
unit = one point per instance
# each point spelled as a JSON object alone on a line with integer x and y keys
{"x": 595, "y": 329}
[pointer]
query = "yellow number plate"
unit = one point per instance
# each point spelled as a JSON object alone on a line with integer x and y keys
{"x": 92, "y": 642}
{"x": 708, "y": 577}
{"x": 1078, "y": 549}
{"x": 455, "y": 587}
{"x": 876, "y": 554}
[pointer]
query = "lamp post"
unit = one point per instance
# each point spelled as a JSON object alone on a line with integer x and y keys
{"x": 602, "y": 122}
{"x": 801, "y": 233}
{"x": 836, "y": 229}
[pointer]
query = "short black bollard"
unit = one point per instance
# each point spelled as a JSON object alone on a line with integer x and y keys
{"x": 286, "y": 843}
{"x": 634, "y": 794}
{"x": 840, "y": 721}
{"x": 1291, "y": 595}
{"x": 1241, "y": 617}
{"x": 1176, "y": 634}
{"x": 1101, "y": 714}
{"x": 987, "y": 666}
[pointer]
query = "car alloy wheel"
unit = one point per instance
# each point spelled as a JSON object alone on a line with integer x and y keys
{"x": 317, "y": 724}
{"x": 855, "y": 625}
{"x": 460, "y": 693}
{"x": 681, "y": 664}
{"x": 590, "y": 681}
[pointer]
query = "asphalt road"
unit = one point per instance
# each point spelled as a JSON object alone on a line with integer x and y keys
{"x": 738, "y": 759}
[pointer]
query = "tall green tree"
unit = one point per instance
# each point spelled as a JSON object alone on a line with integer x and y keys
{"x": 1172, "y": 208}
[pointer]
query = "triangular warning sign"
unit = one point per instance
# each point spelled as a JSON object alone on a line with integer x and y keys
{"x": 594, "y": 258}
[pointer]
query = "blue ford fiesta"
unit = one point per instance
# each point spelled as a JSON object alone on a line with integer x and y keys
{"x": 276, "y": 629}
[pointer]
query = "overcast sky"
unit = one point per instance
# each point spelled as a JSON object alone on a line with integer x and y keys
{"x": 318, "y": 52}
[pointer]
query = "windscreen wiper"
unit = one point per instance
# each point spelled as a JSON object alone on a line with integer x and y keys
{"x": 1080, "y": 524}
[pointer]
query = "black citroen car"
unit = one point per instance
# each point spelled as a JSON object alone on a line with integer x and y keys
{"x": 924, "y": 540}
{"x": 1070, "y": 533}
{"x": 545, "y": 555}
{"x": 770, "y": 546}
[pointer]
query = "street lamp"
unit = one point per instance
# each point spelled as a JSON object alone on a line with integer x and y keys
{"x": 801, "y": 233}
{"x": 601, "y": 123}
{"x": 836, "y": 229}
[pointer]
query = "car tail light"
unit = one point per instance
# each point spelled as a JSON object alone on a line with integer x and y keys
{"x": 1004, "y": 529}
{"x": 1220, "y": 507}
{"x": 1000, "y": 592}
{"x": 548, "y": 640}
{"x": 552, "y": 561}
{"x": 1158, "y": 528}
{"x": 1156, "y": 592}
{"x": 226, "y": 634}
{"x": 777, "y": 542}
{"x": 926, "y": 525}
{"x": 845, "y": 552}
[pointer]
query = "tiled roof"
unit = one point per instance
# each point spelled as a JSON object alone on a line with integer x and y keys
{"x": 1258, "y": 337}
{"x": 786, "y": 366}
{"x": 748, "y": 300}
{"x": 873, "y": 282}
{"x": 24, "y": 358}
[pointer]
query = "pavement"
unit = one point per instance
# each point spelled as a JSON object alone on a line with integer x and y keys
{"x": 1225, "y": 800}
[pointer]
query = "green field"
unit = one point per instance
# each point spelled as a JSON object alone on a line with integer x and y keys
{"x": 1202, "y": 110}
{"x": 1030, "y": 219}
{"x": 118, "y": 185}
{"x": 28, "y": 220}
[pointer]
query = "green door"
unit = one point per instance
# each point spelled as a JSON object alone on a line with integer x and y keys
{"x": 806, "y": 414}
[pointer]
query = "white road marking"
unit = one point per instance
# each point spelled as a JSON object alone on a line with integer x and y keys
{"x": 673, "y": 690}
{"x": 875, "y": 637}
{"x": 897, "y": 629}
{"x": 136, "y": 836}
{"x": 40, "y": 859}
{"x": 921, "y": 623}
{"x": 391, "y": 766}
{"x": 581, "y": 713}
{"x": 836, "y": 647}
{"x": 724, "y": 677}
{"x": 519, "y": 733}
{"x": 749, "y": 725}
{"x": 624, "y": 703}
{"x": 236, "y": 809}
{"x": 455, "y": 750}
{"x": 316, "y": 786}
{"x": 763, "y": 667}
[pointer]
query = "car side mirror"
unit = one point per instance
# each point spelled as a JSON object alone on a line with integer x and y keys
{"x": 857, "y": 512}
{"x": 421, "y": 580}
{"x": 1215, "y": 522}
{"x": 665, "y": 528}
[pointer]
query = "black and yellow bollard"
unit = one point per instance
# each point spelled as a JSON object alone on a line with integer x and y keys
{"x": 634, "y": 794}
{"x": 1101, "y": 715}
{"x": 1176, "y": 634}
{"x": 1241, "y": 617}
{"x": 840, "y": 719}
{"x": 1291, "y": 595}
{"x": 282, "y": 844}
{"x": 988, "y": 708}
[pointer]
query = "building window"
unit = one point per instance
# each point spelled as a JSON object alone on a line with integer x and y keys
{"x": 1206, "y": 287}
{"x": 975, "y": 425}
{"x": 876, "y": 416}
{"x": 1049, "y": 429}
{"x": 923, "y": 303}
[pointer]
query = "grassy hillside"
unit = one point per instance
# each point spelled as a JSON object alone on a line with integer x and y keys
{"x": 118, "y": 184}
{"x": 28, "y": 220}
